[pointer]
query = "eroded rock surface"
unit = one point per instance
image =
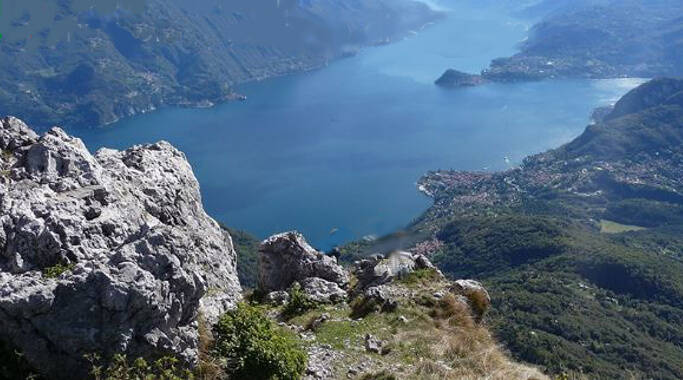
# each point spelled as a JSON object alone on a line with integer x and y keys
{"x": 287, "y": 258}
{"x": 106, "y": 253}
{"x": 378, "y": 270}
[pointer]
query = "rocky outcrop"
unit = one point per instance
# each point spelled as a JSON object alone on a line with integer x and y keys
{"x": 477, "y": 296}
{"x": 287, "y": 258}
{"x": 455, "y": 79}
{"x": 111, "y": 253}
{"x": 322, "y": 291}
{"x": 378, "y": 270}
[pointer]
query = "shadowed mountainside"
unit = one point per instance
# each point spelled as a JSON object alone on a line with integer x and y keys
{"x": 81, "y": 63}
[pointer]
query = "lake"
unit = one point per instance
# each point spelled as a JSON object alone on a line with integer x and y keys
{"x": 336, "y": 153}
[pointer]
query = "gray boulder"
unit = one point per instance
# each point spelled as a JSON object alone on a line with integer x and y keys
{"x": 322, "y": 291}
{"x": 378, "y": 270}
{"x": 477, "y": 296}
{"x": 111, "y": 253}
{"x": 373, "y": 344}
{"x": 277, "y": 298}
{"x": 287, "y": 258}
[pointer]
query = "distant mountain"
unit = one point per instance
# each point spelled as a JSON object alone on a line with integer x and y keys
{"x": 89, "y": 63}
{"x": 634, "y": 38}
{"x": 597, "y": 39}
{"x": 582, "y": 244}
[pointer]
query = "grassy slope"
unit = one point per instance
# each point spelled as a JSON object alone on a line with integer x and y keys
{"x": 438, "y": 339}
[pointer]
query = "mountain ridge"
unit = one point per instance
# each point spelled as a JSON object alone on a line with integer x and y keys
{"x": 85, "y": 66}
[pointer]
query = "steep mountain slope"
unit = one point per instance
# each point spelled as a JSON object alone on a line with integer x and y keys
{"x": 583, "y": 242}
{"x": 597, "y": 39}
{"x": 632, "y": 38}
{"x": 84, "y": 63}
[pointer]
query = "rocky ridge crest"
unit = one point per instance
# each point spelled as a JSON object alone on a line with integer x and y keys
{"x": 106, "y": 253}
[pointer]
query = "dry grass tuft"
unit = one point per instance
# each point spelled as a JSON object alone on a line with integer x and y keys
{"x": 209, "y": 368}
{"x": 453, "y": 312}
{"x": 458, "y": 348}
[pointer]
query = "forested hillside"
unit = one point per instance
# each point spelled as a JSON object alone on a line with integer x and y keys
{"x": 84, "y": 63}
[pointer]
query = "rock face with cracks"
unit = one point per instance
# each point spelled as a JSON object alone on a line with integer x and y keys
{"x": 111, "y": 253}
{"x": 287, "y": 258}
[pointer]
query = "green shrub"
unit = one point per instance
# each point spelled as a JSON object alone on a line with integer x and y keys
{"x": 120, "y": 368}
{"x": 251, "y": 347}
{"x": 299, "y": 302}
{"x": 57, "y": 270}
{"x": 420, "y": 277}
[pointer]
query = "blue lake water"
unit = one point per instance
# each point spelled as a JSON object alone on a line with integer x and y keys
{"x": 342, "y": 147}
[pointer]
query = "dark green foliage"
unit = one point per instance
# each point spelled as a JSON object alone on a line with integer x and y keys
{"x": 644, "y": 212}
{"x": 362, "y": 306}
{"x": 656, "y": 129}
{"x": 13, "y": 365}
{"x": 57, "y": 270}
{"x": 196, "y": 51}
{"x": 595, "y": 306}
{"x": 603, "y": 39}
{"x": 247, "y": 247}
{"x": 481, "y": 244}
{"x": 566, "y": 296}
{"x": 253, "y": 348}
{"x": 299, "y": 302}
{"x": 121, "y": 368}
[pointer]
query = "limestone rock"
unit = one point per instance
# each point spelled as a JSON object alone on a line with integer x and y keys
{"x": 378, "y": 270}
{"x": 287, "y": 258}
{"x": 383, "y": 297}
{"x": 373, "y": 344}
{"x": 132, "y": 257}
{"x": 475, "y": 293}
{"x": 323, "y": 291}
{"x": 279, "y": 297}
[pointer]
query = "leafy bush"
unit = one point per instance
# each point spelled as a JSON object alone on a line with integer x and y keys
{"x": 120, "y": 368}
{"x": 253, "y": 348}
{"x": 57, "y": 270}
{"x": 299, "y": 302}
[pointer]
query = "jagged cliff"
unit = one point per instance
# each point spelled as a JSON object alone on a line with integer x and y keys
{"x": 104, "y": 254}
